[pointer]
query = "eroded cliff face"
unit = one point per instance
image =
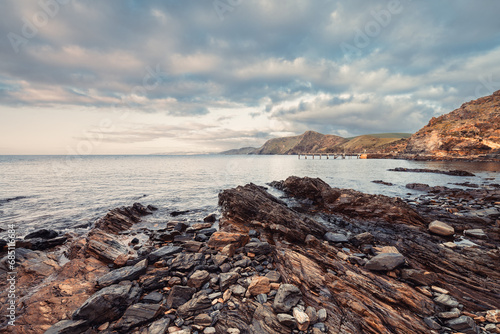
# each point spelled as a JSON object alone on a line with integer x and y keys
{"x": 473, "y": 129}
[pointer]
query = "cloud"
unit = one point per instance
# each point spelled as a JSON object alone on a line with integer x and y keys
{"x": 279, "y": 62}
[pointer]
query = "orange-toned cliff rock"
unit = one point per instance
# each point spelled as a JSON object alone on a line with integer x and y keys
{"x": 473, "y": 130}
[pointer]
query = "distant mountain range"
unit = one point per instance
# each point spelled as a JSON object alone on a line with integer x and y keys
{"x": 315, "y": 142}
{"x": 471, "y": 131}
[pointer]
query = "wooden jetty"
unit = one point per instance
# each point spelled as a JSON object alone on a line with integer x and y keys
{"x": 333, "y": 155}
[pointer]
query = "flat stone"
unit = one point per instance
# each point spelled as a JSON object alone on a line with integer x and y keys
{"x": 198, "y": 278}
{"x": 335, "y": 237}
{"x": 228, "y": 250}
{"x": 259, "y": 285}
{"x": 68, "y": 327}
{"x": 273, "y": 276}
{"x": 186, "y": 261}
{"x": 198, "y": 226}
{"x": 362, "y": 238}
{"x": 385, "y": 261}
{"x": 159, "y": 326}
{"x": 243, "y": 263}
{"x": 493, "y": 316}
{"x": 104, "y": 246}
{"x": 476, "y": 233}
{"x": 43, "y": 233}
{"x": 215, "y": 295}
{"x": 287, "y": 320}
{"x": 288, "y": 296}
{"x": 258, "y": 248}
{"x": 138, "y": 314}
{"x": 418, "y": 276}
{"x": 227, "y": 279}
{"x": 432, "y": 323}
{"x": 179, "y": 295}
{"x": 439, "y": 290}
{"x": 463, "y": 324}
{"x": 385, "y": 249}
{"x": 262, "y": 298}
{"x": 312, "y": 314}
{"x": 454, "y": 313}
{"x": 322, "y": 315}
{"x": 107, "y": 304}
{"x": 440, "y": 228}
{"x": 302, "y": 319}
{"x": 129, "y": 273}
{"x": 192, "y": 246}
{"x": 219, "y": 259}
{"x": 197, "y": 303}
{"x": 203, "y": 320}
{"x": 154, "y": 297}
{"x": 492, "y": 328}
{"x": 238, "y": 290}
{"x": 163, "y": 252}
{"x": 219, "y": 240}
{"x": 211, "y": 218}
{"x": 446, "y": 300}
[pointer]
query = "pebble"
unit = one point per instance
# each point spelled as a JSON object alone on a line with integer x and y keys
{"x": 302, "y": 319}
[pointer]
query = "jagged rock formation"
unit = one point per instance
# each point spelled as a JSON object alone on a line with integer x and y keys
{"x": 338, "y": 261}
{"x": 472, "y": 129}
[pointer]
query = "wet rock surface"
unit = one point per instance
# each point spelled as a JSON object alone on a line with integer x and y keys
{"x": 436, "y": 171}
{"x": 319, "y": 260}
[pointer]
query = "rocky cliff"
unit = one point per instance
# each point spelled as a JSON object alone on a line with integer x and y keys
{"x": 309, "y": 141}
{"x": 471, "y": 130}
{"x": 314, "y": 142}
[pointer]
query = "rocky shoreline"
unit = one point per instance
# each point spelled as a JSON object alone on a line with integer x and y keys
{"x": 318, "y": 260}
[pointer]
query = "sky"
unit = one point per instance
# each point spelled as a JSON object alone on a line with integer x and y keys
{"x": 185, "y": 77}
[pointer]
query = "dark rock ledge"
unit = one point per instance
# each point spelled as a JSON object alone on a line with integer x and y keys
{"x": 373, "y": 265}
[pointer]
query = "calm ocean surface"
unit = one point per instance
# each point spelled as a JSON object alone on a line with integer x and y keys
{"x": 61, "y": 192}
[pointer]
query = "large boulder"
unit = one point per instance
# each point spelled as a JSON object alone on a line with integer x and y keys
{"x": 252, "y": 207}
{"x": 105, "y": 247}
{"x": 108, "y": 304}
{"x": 121, "y": 219}
{"x": 138, "y": 314}
{"x": 129, "y": 273}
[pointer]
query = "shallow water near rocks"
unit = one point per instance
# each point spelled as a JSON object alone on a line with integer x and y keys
{"x": 61, "y": 192}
